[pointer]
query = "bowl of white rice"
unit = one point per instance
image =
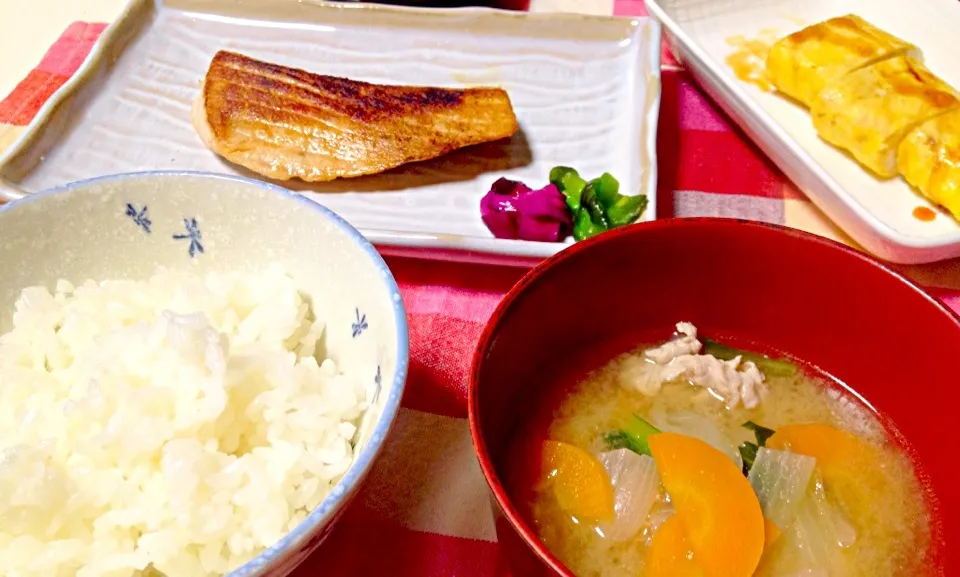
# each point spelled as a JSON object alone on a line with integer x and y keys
{"x": 196, "y": 374}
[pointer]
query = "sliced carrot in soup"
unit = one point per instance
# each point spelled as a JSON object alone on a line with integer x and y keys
{"x": 579, "y": 481}
{"x": 670, "y": 554}
{"x": 834, "y": 449}
{"x": 715, "y": 504}
{"x": 847, "y": 463}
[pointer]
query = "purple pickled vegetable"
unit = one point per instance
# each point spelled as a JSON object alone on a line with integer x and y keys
{"x": 513, "y": 210}
{"x": 507, "y": 187}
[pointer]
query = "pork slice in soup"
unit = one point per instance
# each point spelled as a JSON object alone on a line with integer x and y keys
{"x": 690, "y": 458}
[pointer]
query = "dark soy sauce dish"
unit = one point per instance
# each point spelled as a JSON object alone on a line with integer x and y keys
{"x": 718, "y": 398}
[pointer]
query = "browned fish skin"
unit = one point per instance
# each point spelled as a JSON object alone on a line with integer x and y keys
{"x": 286, "y": 123}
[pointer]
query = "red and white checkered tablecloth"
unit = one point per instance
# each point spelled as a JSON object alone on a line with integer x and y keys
{"x": 424, "y": 510}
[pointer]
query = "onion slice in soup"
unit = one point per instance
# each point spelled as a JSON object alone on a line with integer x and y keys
{"x": 814, "y": 543}
{"x": 659, "y": 513}
{"x": 817, "y": 544}
{"x": 830, "y": 518}
{"x": 636, "y": 484}
{"x": 780, "y": 479}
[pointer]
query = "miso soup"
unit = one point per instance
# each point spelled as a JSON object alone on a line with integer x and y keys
{"x": 692, "y": 458}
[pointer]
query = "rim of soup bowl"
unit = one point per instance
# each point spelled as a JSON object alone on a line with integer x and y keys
{"x": 517, "y": 522}
{"x": 344, "y": 490}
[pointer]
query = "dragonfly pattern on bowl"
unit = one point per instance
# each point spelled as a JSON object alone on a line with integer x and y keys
{"x": 360, "y": 324}
{"x": 193, "y": 235}
{"x": 139, "y": 217}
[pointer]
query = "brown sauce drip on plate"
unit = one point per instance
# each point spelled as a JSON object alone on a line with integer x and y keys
{"x": 749, "y": 60}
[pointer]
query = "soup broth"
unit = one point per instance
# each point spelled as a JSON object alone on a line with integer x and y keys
{"x": 884, "y": 519}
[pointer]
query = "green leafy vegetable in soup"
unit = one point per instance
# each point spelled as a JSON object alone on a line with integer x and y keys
{"x": 634, "y": 435}
{"x": 768, "y": 366}
{"x": 748, "y": 450}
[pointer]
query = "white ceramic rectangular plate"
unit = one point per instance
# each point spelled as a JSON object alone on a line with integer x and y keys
{"x": 586, "y": 91}
{"x": 876, "y": 214}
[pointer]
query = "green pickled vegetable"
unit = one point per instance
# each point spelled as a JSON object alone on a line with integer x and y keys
{"x": 620, "y": 210}
{"x": 626, "y": 210}
{"x": 597, "y": 205}
{"x": 592, "y": 218}
{"x": 607, "y": 188}
{"x": 634, "y": 436}
{"x": 768, "y": 366}
{"x": 584, "y": 227}
{"x": 570, "y": 184}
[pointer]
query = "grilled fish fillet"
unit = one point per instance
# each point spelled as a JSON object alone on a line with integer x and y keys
{"x": 929, "y": 159}
{"x": 801, "y": 64}
{"x": 285, "y": 123}
{"x": 869, "y": 111}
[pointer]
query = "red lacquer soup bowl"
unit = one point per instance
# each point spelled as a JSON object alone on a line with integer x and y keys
{"x": 773, "y": 288}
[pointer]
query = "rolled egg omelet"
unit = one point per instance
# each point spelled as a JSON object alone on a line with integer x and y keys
{"x": 801, "y": 64}
{"x": 929, "y": 159}
{"x": 869, "y": 111}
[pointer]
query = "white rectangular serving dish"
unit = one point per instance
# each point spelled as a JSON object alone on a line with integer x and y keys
{"x": 586, "y": 90}
{"x": 878, "y": 215}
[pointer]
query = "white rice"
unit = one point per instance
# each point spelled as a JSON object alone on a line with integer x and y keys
{"x": 185, "y": 422}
